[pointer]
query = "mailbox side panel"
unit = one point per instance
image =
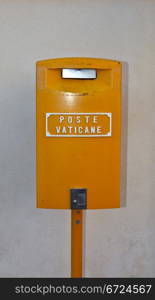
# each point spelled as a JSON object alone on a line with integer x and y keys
{"x": 65, "y": 163}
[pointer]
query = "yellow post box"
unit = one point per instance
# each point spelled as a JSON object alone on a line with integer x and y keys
{"x": 78, "y": 140}
{"x": 78, "y": 133}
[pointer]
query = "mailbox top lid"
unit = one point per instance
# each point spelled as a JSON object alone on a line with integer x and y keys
{"x": 78, "y": 62}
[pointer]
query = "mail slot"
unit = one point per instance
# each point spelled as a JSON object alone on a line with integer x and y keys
{"x": 78, "y": 112}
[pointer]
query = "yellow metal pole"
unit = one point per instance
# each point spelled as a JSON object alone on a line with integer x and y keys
{"x": 76, "y": 243}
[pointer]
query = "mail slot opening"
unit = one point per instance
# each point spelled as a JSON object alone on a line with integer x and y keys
{"x": 78, "y": 73}
{"x": 78, "y": 80}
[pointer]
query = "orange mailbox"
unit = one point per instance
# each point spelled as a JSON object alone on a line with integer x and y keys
{"x": 78, "y": 133}
{"x": 78, "y": 140}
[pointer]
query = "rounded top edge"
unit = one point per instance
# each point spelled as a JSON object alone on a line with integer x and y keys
{"x": 77, "y": 62}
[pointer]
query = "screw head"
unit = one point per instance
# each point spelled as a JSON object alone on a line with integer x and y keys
{"x": 77, "y": 222}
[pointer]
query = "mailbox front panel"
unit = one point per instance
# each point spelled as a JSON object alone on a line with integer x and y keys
{"x": 78, "y": 132}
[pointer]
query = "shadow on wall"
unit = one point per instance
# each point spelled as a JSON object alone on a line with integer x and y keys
{"x": 124, "y": 142}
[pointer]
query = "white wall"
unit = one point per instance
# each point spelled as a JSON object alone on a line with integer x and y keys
{"x": 36, "y": 242}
